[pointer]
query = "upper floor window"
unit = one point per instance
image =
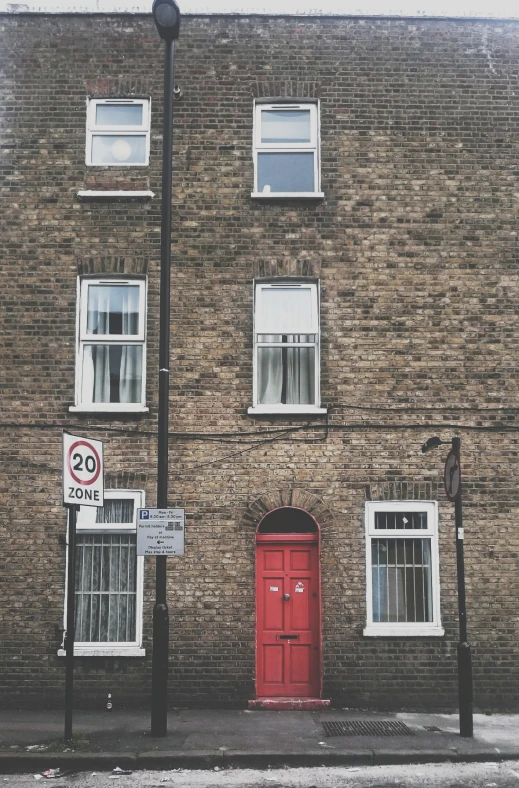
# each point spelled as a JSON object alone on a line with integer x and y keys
{"x": 286, "y": 348}
{"x": 118, "y": 132}
{"x": 403, "y": 588}
{"x": 286, "y": 150}
{"x": 111, "y": 345}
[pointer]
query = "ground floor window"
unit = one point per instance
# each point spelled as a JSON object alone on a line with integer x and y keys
{"x": 108, "y": 576}
{"x": 402, "y": 580}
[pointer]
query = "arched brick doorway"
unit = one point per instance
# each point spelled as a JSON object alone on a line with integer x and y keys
{"x": 288, "y": 610}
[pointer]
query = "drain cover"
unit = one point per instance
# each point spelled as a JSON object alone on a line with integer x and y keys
{"x": 366, "y": 728}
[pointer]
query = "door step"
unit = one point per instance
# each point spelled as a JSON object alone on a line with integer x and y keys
{"x": 288, "y": 704}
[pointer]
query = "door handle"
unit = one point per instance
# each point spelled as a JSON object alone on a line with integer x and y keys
{"x": 286, "y": 597}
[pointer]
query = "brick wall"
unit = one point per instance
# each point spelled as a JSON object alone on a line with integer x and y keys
{"x": 415, "y": 246}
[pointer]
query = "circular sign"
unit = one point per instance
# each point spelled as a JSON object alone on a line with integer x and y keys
{"x": 83, "y": 462}
{"x": 452, "y": 475}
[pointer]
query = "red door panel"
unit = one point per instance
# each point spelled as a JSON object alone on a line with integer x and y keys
{"x": 273, "y": 611}
{"x": 273, "y": 672}
{"x": 288, "y": 620}
{"x": 300, "y": 664}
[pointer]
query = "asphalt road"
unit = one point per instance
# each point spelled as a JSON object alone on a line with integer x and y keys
{"x": 473, "y": 775}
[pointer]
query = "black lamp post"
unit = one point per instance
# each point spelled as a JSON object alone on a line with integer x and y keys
{"x": 166, "y": 15}
{"x": 453, "y": 491}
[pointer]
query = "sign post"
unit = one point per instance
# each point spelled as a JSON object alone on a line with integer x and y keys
{"x": 452, "y": 478}
{"x": 83, "y": 484}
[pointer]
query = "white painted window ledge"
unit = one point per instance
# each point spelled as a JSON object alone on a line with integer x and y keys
{"x": 117, "y": 651}
{"x": 123, "y": 194}
{"x": 413, "y": 631}
{"x": 287, "y": 195}
{"x": 127, "y": 408}
{"x": 281, "y": 410}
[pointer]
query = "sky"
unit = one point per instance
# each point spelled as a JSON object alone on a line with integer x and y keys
{"x": 504, "y": 9}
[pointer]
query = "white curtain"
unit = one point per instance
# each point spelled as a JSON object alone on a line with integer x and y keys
{"x": 284, "y": 310}
{"x": 116, "y": 510}
{"x": 270, "y": 372}
{"x": 300, "y": 383}
{"x": 131, "y": 356}
{"x": 105, "y": 587}
{"x": 106, "y": 578}
{"x": 286, "y": 375}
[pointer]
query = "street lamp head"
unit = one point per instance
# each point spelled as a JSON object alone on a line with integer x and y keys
{"x": 166, "y": 15}
{"x": 432, "y": 443}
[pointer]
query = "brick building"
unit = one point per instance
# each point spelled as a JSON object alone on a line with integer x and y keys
{"x": 344, "y": 285}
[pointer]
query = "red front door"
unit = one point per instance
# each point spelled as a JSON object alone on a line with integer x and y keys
{"x": 288, "y": 616}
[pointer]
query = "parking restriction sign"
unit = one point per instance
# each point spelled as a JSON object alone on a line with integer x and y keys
{"x": 160, "y": 531}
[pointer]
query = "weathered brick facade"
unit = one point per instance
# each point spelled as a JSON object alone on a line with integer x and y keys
{"x": 416, "y": 248}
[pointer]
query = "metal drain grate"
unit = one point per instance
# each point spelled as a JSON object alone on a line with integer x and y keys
{"x": 366, "y": 728}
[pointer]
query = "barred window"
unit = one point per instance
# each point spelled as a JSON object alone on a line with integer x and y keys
{"x": 402, "y": 568}
{"x": 109, "y": 576}
{"x": 106, "y": 585}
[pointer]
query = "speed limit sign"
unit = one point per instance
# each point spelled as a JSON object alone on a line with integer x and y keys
{"x": 83, "y": 482}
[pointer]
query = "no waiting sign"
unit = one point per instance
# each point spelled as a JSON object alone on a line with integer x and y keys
{"x": 83, "y": 476}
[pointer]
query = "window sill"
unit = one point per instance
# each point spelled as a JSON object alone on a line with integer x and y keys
{"x": 287, "y": 195}
{"x": 100, "y": 651}
{"x": 106, "y": 194}
{"x": 108, "y": 409}
{"x": 311, "y": 410}
{"x": 393, "y": 630}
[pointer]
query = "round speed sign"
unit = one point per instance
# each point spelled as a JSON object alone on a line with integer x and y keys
{"x": 452, "y": 475}
{"x": 84, "y": 463}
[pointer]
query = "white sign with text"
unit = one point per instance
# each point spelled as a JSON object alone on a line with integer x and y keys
{"x": 83, "y": 473}
{"x": 160, "y": 531}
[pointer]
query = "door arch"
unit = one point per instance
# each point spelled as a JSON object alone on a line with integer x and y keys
{"x": 288, "y": 605}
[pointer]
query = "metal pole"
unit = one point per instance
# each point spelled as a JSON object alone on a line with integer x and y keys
{"x": 70, "y": 634}
{"x": 464, "y": 653}
{"x": 159, "y": 677}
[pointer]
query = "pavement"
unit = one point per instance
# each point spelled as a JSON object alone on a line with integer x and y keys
{"x": 32, "y": 741}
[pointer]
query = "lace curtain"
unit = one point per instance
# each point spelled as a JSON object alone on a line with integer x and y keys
{"x": 106, "y": 579}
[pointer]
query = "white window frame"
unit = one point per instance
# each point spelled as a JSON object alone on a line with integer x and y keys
{"x": 108, "y": 339}
{"x": 314, "y": 328}
{"x": 403, "y": 629}
{"x": 86, "y": 524}
{"x": 115, "y": 131}
{"x": 289, "y": 147}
